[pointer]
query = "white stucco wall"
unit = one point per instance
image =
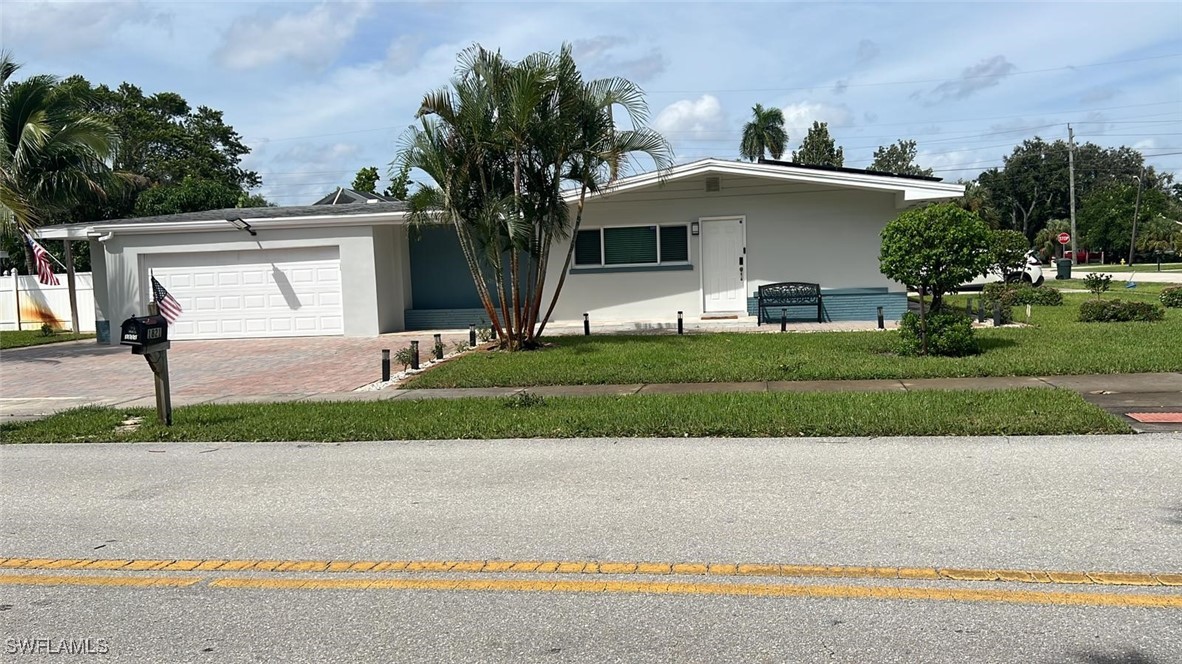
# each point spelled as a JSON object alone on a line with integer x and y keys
{"x": 794, "y": 232}
{"x": 365, "y": 314}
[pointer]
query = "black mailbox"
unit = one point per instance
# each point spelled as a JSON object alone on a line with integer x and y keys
{"x": 144, "y": 331}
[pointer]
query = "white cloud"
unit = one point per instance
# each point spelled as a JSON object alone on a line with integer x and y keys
{"x": 800, "y": 116}
{"x": 403, "y": 54}
{"x": 985, "y": 74}
{"x": 697, "y": 117}
{"x": 314, "y": 37}
{"x": 66, "y": 27}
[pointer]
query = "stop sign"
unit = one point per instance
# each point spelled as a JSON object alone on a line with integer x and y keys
{"x": 1064, "y": 238}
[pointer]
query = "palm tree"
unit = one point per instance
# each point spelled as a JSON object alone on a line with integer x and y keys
{"x": 500, "y": 146}
{"x": 52, "y": 155}
{"x": 765, "y": 133}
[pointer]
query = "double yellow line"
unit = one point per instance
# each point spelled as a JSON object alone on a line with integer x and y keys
{"x": 924, "y": 584}
{"x": 609, "y": 568}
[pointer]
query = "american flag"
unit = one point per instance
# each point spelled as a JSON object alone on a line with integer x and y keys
{"x": 165, "y": 302}
{"x": 44, "y": 264}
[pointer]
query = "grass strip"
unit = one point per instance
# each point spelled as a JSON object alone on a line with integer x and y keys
{"x": 10, "y": 339}
{"x": 1055, "y": 343}
{"x": 1026, "y": 411}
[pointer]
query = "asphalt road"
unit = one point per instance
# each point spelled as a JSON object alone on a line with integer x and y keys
{"x": 1072, "y": 503}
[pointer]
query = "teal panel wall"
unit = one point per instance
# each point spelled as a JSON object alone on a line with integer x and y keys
{"x": 439, "y": 275}
{"x": 444, "y": 319}
{"x": 843, "y": 304}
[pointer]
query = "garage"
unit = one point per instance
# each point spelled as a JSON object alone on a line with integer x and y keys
{"x": 256, "y": 293}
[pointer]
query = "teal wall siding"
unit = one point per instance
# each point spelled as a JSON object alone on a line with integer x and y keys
{"x": 439, "y": 275}
{"x": 444, "y": 319}
{"x": 843, "y": 304}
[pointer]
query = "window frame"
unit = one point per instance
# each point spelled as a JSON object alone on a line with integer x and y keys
{"x": 640, "y": 266}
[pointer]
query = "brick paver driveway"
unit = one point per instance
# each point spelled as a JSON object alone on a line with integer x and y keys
{"x": 42, "y": 379}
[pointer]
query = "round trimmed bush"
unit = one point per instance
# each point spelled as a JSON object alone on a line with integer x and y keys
{"x": 1172, "y": 297}
{"x": 950, "y": 334}
{"x": 1015, "y": 294}
{"x": 1119, "y": 311}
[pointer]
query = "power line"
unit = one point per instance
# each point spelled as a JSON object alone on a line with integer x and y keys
{"x": 928, "y": 80}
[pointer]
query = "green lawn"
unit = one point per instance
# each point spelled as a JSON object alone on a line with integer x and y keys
{"x": 1139, "y": 267}
{"x": 14, "y": 339}
{"x": 1145, "y": 290}
{"x": 1017, "y": 412}
{"x": 1054, "y": 344}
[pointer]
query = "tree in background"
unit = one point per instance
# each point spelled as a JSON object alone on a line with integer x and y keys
{"x": 500, "y": 145}
{"x": 898, "y": 158}
{"x": 977, "y": 199}
{"x": 1046, "y": 242}
{"x": 1032, "y": 187}
{"x": 934, "y": 249}
{"x": 53, "y": 153}
{"x": 818, "y": 148}
{"x": 189, "y": 195}
{"x": 1007, "y": 254}
{"x": 1105, "y": 220}
{"x": 764, "y": 133}
{"x": 164, "y": 143}
{"x": 399, "y": 183}
{"x": 366, "y": 180}
{"x": 1159, "y": 235}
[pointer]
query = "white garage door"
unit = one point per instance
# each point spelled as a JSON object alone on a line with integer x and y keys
{"x": 263, "y": 293}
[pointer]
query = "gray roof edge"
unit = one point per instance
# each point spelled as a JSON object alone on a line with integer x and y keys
{"x": 247, "y": 214}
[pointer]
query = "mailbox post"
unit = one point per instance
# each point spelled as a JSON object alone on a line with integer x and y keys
{"x": 148, "y": 336}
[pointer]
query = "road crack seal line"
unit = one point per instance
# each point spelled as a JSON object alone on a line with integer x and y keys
{"x": 607, "y": 568}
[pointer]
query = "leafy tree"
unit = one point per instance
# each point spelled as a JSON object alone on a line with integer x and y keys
{"x": 366, "y": 180}
{"x": 53, "y": 153}
{"x": 1046, "y": 242}
{"x": 818, "y": 148}
{"x": 977, "y": 200}
{"x": 399, "y": 183}
{"x": 162, "y": 141}
{"x": 191, "y": 195}
{"x": 252, "y": 201}
{"x": 934, "y": 249}
{"x": 898, "y": 158}
{"x": 1033, "y": 187}
{"x": 1007, "y": 252}
{"x": 764, "y": 133}
{"x": 1105, "y": 220}
{"x": 499, "y": 146}
{"x": 1158, "y": 235}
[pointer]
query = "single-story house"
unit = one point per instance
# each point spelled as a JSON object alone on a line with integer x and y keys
{"x": 699, "y": 238}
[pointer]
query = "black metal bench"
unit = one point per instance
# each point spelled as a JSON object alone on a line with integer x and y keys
{"x": 789, "y": 294}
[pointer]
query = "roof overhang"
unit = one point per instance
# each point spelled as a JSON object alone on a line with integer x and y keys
{"x": 98, "y": 229}
{"x": 908, "y": 192}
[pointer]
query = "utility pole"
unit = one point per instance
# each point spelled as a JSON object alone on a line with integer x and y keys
{"x": 1071, "y": 179}
{"x": 1136, "y": 210}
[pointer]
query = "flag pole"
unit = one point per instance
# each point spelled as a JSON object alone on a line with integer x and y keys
{"x": 29, "y": 238}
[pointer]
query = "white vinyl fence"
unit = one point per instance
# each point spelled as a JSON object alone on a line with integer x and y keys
{"x": 41, "y": 304}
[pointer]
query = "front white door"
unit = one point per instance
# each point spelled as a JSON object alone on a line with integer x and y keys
{"x": 724, "y": 280}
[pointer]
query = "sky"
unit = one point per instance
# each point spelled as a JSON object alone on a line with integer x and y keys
{"x": 319, "y": 90}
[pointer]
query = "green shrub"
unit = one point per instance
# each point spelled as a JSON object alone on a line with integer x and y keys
{"x": 405, "y": 357}
{"x": 950, "y": 334}
{"x": 47, "y": 330}
{"x": 1172, "y": 297}
{"x": 1119, "y": 311}
{"x": 1098, "y": 282}
{"x": 1016, "y": 294}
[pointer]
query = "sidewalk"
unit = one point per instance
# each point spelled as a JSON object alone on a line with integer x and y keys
{"x": 1119, "y": 394}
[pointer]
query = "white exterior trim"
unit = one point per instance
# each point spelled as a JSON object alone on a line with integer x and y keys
{"x": 908, "y": 191}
